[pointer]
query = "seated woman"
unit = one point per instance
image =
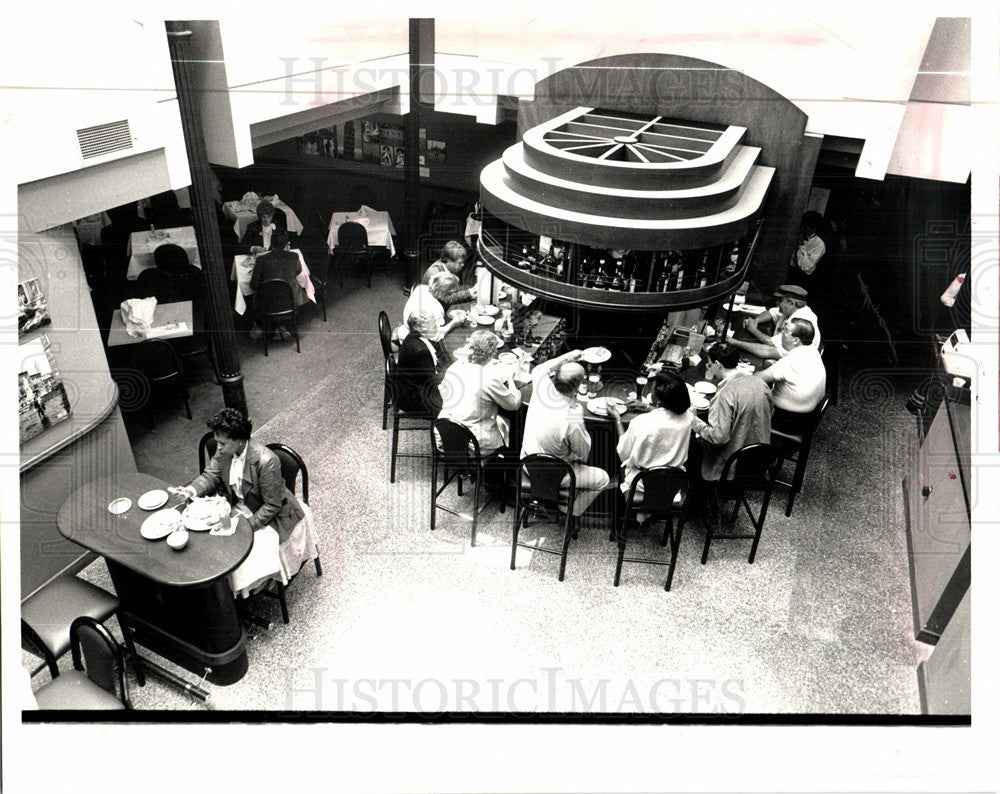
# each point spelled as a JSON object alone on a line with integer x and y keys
{"x": 420, "y": 365}
{"x": 428, "y": 297}
{"x": 660, "y": 437}
{"x": 257, "y": 237}
{"x": 474, "y": 391}
{"x": 248, "y": 474}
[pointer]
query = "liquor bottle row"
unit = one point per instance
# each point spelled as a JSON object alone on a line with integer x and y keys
{"x": 629, "y": 271}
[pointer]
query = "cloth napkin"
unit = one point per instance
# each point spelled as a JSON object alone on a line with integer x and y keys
{"x": 137, "y": 314}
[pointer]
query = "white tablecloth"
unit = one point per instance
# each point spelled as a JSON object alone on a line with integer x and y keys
{"x": 243, "y": 272}
{"x": 243, "y": 215}
{"x": 141, "y": 247}
{"x": 377, "y": 224}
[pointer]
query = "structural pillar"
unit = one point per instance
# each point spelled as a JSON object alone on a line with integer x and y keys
{"x": 421, "y": 101}
{"x": 219, "y": 318}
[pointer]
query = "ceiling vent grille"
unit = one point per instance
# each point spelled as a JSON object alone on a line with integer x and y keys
{"x": 104, "y": 139}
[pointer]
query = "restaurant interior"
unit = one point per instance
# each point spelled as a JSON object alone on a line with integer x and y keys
{"x": 857, "y": 603}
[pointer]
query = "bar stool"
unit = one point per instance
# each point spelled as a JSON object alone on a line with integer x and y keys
{"x": 47, "y": 615}
{"x": 455, "y": 454}
{"x": 540, "y": 491}
{"x": 664, "y": 497}
{"x": 795, "y": 448}
{"x": 752, "y": 468}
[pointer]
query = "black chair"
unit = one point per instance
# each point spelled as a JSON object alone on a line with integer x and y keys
{"x": 417, "y": 421}
{"x": 159, "y": 363}
{"x": 97, "y": 680}
{"x": 275, "y": 303}
{"x": 206, "y": 449}
{"x": 292, "y": 466}
{"x": 385, "y": 337}
{"x": 352, "y": 249}
{"x": 540, "y": 491}
{"x": 47, "y": 617}
{"x": 795, "y": 447}
{"x": 753, "y": 468}
{"x": 664, "y": 497}
{"x": 155, "y": 282}
{"x": 454, "y": 456}
{"x": 170, "y": 257}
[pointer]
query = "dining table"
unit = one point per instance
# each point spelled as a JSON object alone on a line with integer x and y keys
{"x": 170, "y": 321}
{"x": 141, "y": 246}
{"x": 243, "y": 212}
{"x": 377, "y": 224}
{"x": 242, "y": 273}
{"x": 179, "y": 602}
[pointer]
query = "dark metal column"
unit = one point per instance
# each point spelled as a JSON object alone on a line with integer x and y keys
{"x": 421, "y": 101}
{"x": 219, "y": 313}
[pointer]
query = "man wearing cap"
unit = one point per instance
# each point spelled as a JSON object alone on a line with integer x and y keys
{"x": 791, "y": 306}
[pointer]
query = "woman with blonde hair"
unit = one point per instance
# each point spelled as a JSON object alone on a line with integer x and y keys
{"x": 474, "y": 391}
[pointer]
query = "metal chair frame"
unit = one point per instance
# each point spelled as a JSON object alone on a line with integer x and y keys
{"x": 385, "y": 338}
{"x": 344, "y": 250}
{"x": 796, "y": 448}
{"x": 113, "y": 652}
{"x": 661, "y": 485}
{"x": 268, "y": 316}
{"x": 761, "y": 477}
{"x": 457, "y": 456}
{"x": 398, "y": 417}
{"x": 543, "y": 493}
{"x": 145, "y": 352}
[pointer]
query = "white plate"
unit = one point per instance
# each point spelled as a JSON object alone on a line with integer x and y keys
{"x": 489, "y": 309}
{"x": 699, "y": 401}
{"x": 153, "y": 500}
{"x": 596, "y": 355}
{"x": 507, "y": 358}
{"x": 199, "y": 524}
{"x": 484, "y": 319}
{"x": 599, "y": 405}
{"x": 120, "y": 505}
{"x": 705, "y": 387}
{"x": 160, "y": 524}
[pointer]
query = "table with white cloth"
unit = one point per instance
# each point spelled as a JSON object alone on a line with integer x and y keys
{"x": 242, "y": 272}
{"x": 142, "y": 244}
{"x": 377, "y": 223}
{"x": 243, "y": 213}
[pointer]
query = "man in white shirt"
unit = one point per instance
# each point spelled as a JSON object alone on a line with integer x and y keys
{"x": 554, "y": 425}
{"x": 798, "y": 380}
{"x": 791, "y": 306}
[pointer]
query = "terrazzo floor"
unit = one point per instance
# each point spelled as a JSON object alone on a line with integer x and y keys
{"x": 406, "y": 620}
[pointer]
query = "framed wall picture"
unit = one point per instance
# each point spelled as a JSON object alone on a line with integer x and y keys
{"x": 42, "y": 397}
{"x": 399, "y": 156}
{"x": 388, "y": 155}
{"x": 32, "y": 312}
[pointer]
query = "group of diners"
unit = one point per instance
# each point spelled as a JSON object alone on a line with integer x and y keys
{"x": 477, "y": 390}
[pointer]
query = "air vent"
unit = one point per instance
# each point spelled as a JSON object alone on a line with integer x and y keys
{"x": 104, "y": 139}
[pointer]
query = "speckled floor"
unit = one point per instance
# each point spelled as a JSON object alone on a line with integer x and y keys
{"x": 408, "y": 620}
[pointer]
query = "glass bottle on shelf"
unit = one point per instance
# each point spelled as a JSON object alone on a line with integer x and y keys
{"x": 678, "y": 273}
{"x": 618, "y": 282}
{"x": 601, "y": 277}
{"x": 701, "y": 276}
